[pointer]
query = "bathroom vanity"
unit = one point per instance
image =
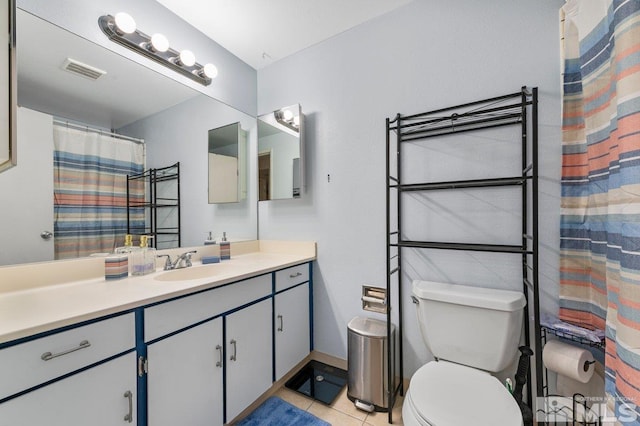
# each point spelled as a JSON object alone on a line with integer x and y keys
{"x": 189, "y": 346}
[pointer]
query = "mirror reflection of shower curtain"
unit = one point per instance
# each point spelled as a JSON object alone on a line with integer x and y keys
{"x": 90, "y": 190}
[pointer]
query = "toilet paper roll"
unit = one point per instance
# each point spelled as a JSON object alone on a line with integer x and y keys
{"x": 567, "y": 360}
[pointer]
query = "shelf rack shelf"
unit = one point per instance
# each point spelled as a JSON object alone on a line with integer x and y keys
{"x": 150, "y": 193}
{"x": 572, "y": 337}
{"x": 559, "y": 412}
{"x": 514, "y": 109}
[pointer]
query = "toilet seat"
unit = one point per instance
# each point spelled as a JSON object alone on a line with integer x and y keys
{"x": 446, "y": 394}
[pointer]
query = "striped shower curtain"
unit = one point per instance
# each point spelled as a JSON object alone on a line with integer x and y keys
{"x": 90, "y": 190}
{"x": 600, "y": 218}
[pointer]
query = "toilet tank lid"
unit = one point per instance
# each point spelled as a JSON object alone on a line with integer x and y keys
{"x": 488, "y": 298}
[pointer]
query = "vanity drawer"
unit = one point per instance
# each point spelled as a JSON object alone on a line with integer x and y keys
{"x": 37, "y": 361}
{"x": 291, "y": 276}
{"x": 165, "y": 318}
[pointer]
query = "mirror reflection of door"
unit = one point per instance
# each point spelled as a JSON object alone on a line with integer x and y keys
{"x": 27, "y": 209}
{"x": 227, "y": 164}
{"x": 280, "y": 133}
{"x": 264, "y": 175}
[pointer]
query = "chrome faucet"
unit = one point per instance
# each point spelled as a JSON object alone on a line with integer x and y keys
{"x": 182, "y": 261}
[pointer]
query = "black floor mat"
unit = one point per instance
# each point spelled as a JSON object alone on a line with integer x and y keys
{"x": 319, "y": 381}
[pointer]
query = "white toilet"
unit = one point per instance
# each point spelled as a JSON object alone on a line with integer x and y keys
{"x": 471, "y": 332}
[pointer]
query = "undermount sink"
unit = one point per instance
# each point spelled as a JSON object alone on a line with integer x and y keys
{"x": 191, "y": 273}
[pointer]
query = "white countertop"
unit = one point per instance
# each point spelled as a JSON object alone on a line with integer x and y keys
{"x": 46, "y": 307}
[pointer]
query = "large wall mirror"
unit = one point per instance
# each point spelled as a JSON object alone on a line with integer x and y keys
{"x": 281, "y": 154}
{"x": 130, "y": 99}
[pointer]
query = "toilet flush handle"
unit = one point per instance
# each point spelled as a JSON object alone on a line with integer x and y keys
{"x": 415, "y": 300}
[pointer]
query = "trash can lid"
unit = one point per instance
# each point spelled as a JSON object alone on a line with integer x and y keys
{"x": 369, "y": 327}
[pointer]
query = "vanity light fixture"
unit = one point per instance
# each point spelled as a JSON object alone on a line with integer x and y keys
{"x": 209, "y": 70}
{"x": 287, "y": 115}
{"x": 158, "y": 43}
{"x": 124, "y": 23}
{"x": 122, "y": 29}
{"x": 288, "y": 119}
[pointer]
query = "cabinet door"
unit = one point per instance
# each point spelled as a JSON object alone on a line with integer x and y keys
{"x": 100, "y": 396}
{"x": 249, "y": 355}
{"x": 184, "y": 383}
{"x": 292, "y": 328}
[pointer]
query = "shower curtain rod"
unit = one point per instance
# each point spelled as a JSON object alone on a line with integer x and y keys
{"x": 66, "y": 123}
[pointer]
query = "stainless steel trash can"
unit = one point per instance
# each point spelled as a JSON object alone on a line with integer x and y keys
{"x": 368, "y": 380}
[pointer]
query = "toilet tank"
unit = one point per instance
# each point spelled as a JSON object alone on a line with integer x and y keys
{"x": 473, "y": 326}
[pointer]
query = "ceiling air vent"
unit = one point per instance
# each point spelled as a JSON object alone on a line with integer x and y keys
{"x": 84, "y": 70}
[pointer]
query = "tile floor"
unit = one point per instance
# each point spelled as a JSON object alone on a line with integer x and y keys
{"x": 342, "y": 412}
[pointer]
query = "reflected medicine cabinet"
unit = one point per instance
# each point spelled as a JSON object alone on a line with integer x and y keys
{"x": 280, "y": 154}
{"x": 227, "y": 155}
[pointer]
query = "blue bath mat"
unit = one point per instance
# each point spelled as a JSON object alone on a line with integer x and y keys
{"x": 276, "y": 412}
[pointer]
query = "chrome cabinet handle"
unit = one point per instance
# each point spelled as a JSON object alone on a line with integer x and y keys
{"x": 297, "y": 274}
{"x": 49, "y": 356}
{"x": 219, "y": 349}
{"x": 281, "y": 323}
{"x": 129, "y": 416}
{"x": 234, "y": 357}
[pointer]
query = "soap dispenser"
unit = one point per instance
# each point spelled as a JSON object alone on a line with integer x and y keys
{"x": 225, "y": 247}
{"x": 137, "y": 257}
{"x": 149, "y": 256}
{"x": 127, "y": 249}
{"x": 210, "y": 240}
{"x": 128, "y": 245}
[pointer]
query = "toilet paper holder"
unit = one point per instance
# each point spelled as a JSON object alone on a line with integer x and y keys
{"x": 374, "y": 299}
{"x": 568, "y": 360}
{"x": 586, "y": 365}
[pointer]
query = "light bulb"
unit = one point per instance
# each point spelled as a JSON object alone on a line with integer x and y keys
{"x": 287, "y": 115}
{"x": 210, "y": 70}
{"x": 125, "y": 23}
{"x": 187, "y": 58}
{"x": 159, "y": 43}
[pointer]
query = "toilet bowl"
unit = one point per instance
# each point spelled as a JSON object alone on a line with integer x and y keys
{"x": 442, "y": 393}
{"x": 472, "y": 332}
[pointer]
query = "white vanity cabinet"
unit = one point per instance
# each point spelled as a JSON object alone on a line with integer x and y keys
{"x": 249, "y": 356}
{"x": 63, "y": 379}
{"x": 292, "y": 328}
{"x": 209, "y": 355}
{"x": 184, "y": 379}
{"x": 100, "y": 396}
{"x": 291, "y": 318}
{"x": 187, "y": 357}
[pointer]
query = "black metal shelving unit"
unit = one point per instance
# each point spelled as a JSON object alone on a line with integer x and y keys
{"x": 149, "y": 194}
{"x": 514, "y": 109}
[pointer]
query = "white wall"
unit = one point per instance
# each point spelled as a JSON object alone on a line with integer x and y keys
{"x": 423, "y": 56}
{"x": 180, "y": 134}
